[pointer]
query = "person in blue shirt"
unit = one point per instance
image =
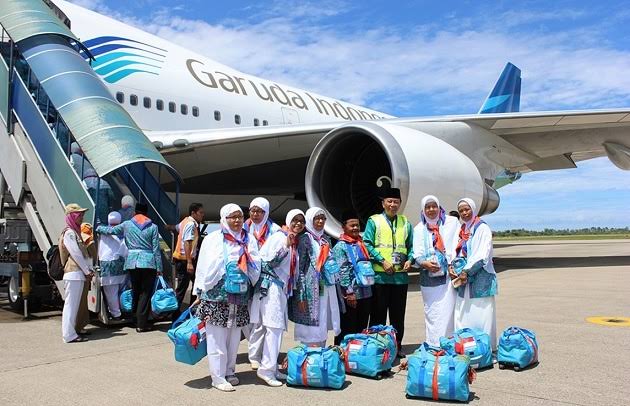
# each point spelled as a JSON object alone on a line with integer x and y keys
{"x": 144, "y": 260}
{"x": 349, "y": 252}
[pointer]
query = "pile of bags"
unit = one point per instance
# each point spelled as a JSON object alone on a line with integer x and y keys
{"x": 445, "y": 372}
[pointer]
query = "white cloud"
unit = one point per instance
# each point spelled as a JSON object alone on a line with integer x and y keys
{"x": 384, "y": 67}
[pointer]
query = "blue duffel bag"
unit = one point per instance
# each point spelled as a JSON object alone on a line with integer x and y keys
{"x": 471, "y": 342}
{"x": 518, "y": 348}
{"x": 188, "y": 333}
{"x": 387, "y": 332}
{"x": 126, "y": 301}
{"x": 163, "y": 299}
{"x": 368, "y": 354}
{"x": 315, "y": 367}
{"x": 436, "y": 374}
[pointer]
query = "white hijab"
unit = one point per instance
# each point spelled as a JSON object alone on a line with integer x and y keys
{"x": 291, "y": 215}
{"x": 263, "y": 204}
{"x": 310, "y": 219}
{"x": 423, "y": 203}
{"x": 226, "y": 211}
{"x": 469, "y": 202}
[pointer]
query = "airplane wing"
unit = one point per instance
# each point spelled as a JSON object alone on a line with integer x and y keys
{"x": 553, "y": 140}
{"x": 559, "y": 139}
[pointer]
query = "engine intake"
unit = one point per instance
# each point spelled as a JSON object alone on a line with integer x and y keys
{"x": 351, "y": 163}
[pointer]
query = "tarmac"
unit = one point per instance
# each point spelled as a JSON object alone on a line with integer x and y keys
{"x": 550, "y": 287}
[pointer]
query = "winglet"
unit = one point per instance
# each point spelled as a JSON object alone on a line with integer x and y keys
{"x": 505, "y": 97}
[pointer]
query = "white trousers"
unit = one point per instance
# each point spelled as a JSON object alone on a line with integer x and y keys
{"x": 222, "y": 350}
{"x": 73, "y": 291}
{"x": 112, "y": 299}
{"x": 256, "y": 342}
{"x": 272, "y": 340}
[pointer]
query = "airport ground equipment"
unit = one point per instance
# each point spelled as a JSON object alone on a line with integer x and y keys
{"x": 51, "y": 98}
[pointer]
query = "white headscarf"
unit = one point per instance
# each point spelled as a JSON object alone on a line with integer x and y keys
{"x": 423, "y": 203}
{"x": 263, "y": 204}
{"x": 226, "y": 211}
{"x": 291, "y": 215}
{"x": 127, "y": 201}
{"x": 468, "y": 201}
{"x": 310, "y": 218}
{"x": 113, "y": 218}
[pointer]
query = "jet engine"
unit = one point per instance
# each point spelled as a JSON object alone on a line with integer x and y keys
{"x": 351, "y": 163}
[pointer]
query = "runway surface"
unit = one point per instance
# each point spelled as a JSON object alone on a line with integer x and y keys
{"x": 551, "y": 287}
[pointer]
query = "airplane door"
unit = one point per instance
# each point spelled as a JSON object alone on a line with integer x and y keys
{"x": 290, "y": 116}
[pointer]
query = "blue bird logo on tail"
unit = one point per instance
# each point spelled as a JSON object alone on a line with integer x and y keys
{"x": 505, "y": 97}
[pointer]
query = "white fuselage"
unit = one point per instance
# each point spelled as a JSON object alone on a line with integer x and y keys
{"x": 222, "y": 96}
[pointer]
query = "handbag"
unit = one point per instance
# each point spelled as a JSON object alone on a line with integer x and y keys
{"x": 368, "y": 354}
{"x": 126, "y": 300}
{"x": 331, "y": 272}
{"x": 518, "y": 348}
{"x": 163, "y": 299}
{"x": 471, "y": 342}
{"x": 236, "y": 282}
{"x": 434, "y": 255}
{"x": 188, "y": 333}
{"x": 363, "y": 272}
{"x": 439, "y": 375}
{"x": 315, "y": 367}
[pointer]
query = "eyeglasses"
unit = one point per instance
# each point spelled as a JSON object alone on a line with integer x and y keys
{"x": 256, "y": 211}
{"x": 235, "y": 218}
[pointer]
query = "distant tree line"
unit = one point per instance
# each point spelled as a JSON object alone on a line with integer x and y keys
{"x": 521, "y": 232}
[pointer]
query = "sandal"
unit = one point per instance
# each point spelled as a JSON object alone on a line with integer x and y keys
{"x": 79, "y": 339}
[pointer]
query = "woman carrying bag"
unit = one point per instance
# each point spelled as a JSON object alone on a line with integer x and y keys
{"x": 144, "y": 260}
{"x": 227, "y": 267}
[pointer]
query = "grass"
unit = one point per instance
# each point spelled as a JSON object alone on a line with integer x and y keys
{"x": 565, "y": 237}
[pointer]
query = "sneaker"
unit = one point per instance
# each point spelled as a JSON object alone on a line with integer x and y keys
{"x": 255, "y": 365}
{"x": 400, "y": 354}
{"x": 270, "y": 381}
{"x": 233, "y": 380}
{"x": 224, "y": 387}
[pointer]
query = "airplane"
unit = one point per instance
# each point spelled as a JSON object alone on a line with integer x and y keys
{"x": 232, "y": 136}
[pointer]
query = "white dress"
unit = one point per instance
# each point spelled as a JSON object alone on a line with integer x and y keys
{"x": 479, "y": 312}
{"x": 439, "y": 301}
{"x": 271, "y": 310}
{"x": 329, "y": 318}
{"x": 111, "y": 248}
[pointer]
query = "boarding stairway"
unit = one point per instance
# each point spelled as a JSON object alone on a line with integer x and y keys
{"x": 51, "y": 104}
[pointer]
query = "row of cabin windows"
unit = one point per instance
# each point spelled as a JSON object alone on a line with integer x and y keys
{"x": 183, "y": 108}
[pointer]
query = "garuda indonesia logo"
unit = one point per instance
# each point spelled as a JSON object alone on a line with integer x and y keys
{"x": 116, "y": 58}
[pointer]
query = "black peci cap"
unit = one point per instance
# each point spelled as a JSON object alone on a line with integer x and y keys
{"x": 142, "y": 208}
{"x": 349, "y": 215}
{"x": 387, "y": 193}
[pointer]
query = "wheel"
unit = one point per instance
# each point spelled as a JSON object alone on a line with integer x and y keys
{"x": 378, "y": 377}
{"x": 407, "y": 396}
{"x": 13, "y": 293}
{"x": 517, "y": 368}
{"x": 501, "y": 366}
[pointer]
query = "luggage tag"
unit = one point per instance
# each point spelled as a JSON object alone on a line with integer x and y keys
{"x": 465, "y": 345}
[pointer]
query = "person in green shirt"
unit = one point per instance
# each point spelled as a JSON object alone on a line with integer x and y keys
{"x": 388, "y": 237}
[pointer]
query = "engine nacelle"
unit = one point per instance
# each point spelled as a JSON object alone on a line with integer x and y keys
{"x": 350, "y": 164}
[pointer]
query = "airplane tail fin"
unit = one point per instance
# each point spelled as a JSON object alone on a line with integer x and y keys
{"x": 505, "y": 97}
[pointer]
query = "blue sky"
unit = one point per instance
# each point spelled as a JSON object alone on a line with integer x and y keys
{"x": 417, "y": 58}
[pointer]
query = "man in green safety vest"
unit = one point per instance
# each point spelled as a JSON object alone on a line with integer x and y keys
{"x": 389, "y": 239}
